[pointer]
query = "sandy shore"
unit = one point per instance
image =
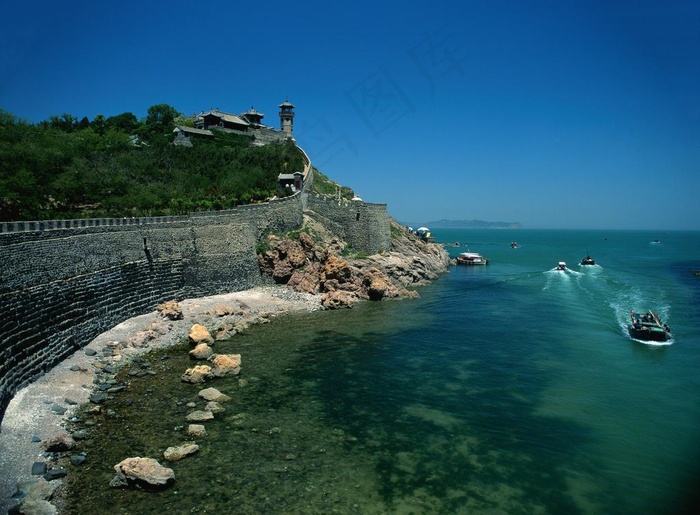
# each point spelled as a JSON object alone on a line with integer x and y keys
{"x": 32, "y": 414}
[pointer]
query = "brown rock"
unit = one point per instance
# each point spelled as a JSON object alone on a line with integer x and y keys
{"x": 201, "y": 351}
{"x": 336, "y": 268}
{"x": 305, "y": 280}
{"x": 225, "y": 365}
{"x": 221, "y": 310}
{"x": 180, "y": 452}
{"x": 338, "y": 299}
{"x": 197, "y": 374}
{"x": 378, "y": 285}
{"x": 142, "y": 472}
{"x": 59, "y": 443}
{"x": 170, "y": 310}
{"x": 199, "y": 334}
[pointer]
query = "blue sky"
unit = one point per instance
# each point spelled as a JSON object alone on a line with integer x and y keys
{"x": 576, "y": 114}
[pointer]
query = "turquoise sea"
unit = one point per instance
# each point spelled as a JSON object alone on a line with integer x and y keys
{"x": 509, "y": 388}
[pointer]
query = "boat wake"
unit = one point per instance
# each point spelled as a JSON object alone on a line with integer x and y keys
{"x": 557, "y": 276}
{"x": 633, "y": 299}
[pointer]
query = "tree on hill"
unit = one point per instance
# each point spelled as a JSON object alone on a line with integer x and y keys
{"x": 62, "y": 168}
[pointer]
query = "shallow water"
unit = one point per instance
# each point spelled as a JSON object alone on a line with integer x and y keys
{"x": 508, "y": 388}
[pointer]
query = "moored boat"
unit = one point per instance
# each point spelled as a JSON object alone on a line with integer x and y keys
{"x": 514, "y": 245}
{"x": 471, "y": 258}
{"x": 648, "y": 327}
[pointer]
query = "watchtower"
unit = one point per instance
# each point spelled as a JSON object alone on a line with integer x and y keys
{"x": 287, "y": 117}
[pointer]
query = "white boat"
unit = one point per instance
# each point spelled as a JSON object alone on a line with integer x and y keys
{"x": 561, "y": 266}
{"x": 471, "y": 258}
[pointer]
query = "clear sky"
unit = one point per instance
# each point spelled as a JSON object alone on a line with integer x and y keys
{"x": 555, "y": 114}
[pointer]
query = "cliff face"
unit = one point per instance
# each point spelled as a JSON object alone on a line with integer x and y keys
{"x": 320, "y": 262}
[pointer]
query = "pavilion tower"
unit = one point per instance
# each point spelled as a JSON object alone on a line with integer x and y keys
{"x": 287, "y": 117}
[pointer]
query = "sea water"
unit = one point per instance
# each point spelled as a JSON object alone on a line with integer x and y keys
{"x": 507, "y": 388}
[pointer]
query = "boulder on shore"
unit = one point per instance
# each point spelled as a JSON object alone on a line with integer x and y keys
{"x": 200, "y": 334}
{"x": 196, "y": 374}
{"x": 225, "y": 365}
{"x": 145, "y": 473}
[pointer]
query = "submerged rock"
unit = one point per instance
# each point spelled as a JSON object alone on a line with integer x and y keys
{"x": 180, "y": 452}
{"x": 212, "y": 394}
{"x": 200, "y": 416}
{"x": 196, "y": 430}
{"x": 225, "y": 365}
{"x": 201, "y": 351}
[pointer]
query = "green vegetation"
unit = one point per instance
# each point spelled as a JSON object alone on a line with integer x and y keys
{"x": 120, "y": 166}
{"x": 324, "y": 186}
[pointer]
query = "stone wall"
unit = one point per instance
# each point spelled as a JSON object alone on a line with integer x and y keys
{"x": 60, "y": 288}
{"x": 62, "y": 283}
{"x": 363, "y": 226}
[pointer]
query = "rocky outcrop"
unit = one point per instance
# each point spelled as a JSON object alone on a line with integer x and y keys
{"x": 323, "y": 265}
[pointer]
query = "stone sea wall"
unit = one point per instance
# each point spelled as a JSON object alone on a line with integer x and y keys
{"x": 362, "y": 225}
{"x": 62, "y": 283}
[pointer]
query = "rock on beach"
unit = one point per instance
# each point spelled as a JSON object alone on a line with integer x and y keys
{"x": 145, "y": 473}
{"x": 29, "y": 419}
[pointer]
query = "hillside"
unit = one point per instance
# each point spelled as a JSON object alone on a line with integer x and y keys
{"x": 121, "y": 167}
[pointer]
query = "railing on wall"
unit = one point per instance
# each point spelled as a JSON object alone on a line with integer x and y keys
{"x": 82, "y": 223}
{"x": 308, "y": 171}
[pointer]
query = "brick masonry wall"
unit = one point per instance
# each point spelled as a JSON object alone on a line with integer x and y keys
{"x": 60, "y": 288}
{"x": 364, "y": 226}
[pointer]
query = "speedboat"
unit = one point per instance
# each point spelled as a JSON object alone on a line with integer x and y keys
{"x": 588, "y": 260}
{"x": 471, "y": 258}
{"x": 648, "y": 327}
{"x": 561, "y": 266}
{"x": 514, "y": 244}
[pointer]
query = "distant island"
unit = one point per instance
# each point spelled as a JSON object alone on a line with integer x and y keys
{"x": 469, "y": 224}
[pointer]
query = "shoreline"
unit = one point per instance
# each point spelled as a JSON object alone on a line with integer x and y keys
{"x": 39, "y": 410}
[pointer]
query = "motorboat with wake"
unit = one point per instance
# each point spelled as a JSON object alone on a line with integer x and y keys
{"x": 588, "y": 261}
{"x": 561, "y": 266}
{"x": 648, "y": 327}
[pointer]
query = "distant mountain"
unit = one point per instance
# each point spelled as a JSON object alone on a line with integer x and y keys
{"x": 469, "y": 224}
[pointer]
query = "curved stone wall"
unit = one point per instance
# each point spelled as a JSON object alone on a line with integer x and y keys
{"x": 60, "y": 288}
{"x": 62, "y": 283}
